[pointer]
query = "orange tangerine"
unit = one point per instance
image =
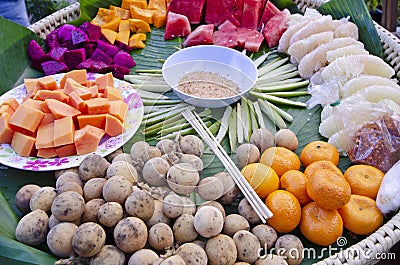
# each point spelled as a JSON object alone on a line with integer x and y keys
{"x": 280, "y": 159}
{"x": 361, "y": 215}
{"x": 286, "y": 211}
{"x": 319, "y": 150}
{"x": 364, "y": 180}
{"x": 319, "y": 225}
{"x": 321, "y": 165}
{"x": 329, "y": 189}
{"x": 295, "y": 182}
{"x": 262, "y": 179}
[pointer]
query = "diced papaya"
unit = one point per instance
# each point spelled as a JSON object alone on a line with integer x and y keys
{"x": 98, "y": 120}
{"x": 112, "y": 25}
{"x": 60, "y": 109}
{"x": 95, "y": 91}
{"x": 79, "y": 75}
{"x": 126, "y": 4}
{"x": 118, "y": 108}
{"x": 159, "y": 18}
{"x": 26, "y": 118}
{"x": 6, "y": 109}
{"x": 109, "y": 35}
{"x": 6, "y": 132}
{"x": 45, "y": 136}
{"x": 143, "y": 14}
{"x": 103, "y": 16}
{"x": 136, "y": 41}
{"x": 157, "y": 5}
{"x": 47, "y": 83}
{"x": 80, "y": 90}
{"x": 46, "y": 152}
{"x": 120, "y": 12}
{"x": 87, "y": 139}
{"x": 97, "y": 106}
{"x": 66, "y": 150}
{"x": 31, "y": 86}
{"x": 44, "y": 107}
{"x": 103, "y": 81}
{"x": 33, "y": 103}
{"x": 23, "y": 144}
{"x": 64, "y": 130}
{"x": 76, "y": 101}
{"x": 114, "y": 126}
{"x": 12, "y": 102}
{"x": 54, "y": 94}
{"x": 90, "y": 83}
{"x": 112, "y": 93}
{"x": 124, "y": 25}
{"x": 70, "y": 85}
{"x": 47, "y": 118}
{"x": 139, "y": 25}
{"x": 123, "y": 36}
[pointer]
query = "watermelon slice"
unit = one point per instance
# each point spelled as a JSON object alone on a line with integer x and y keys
{"x": 201, "y": 35}
{"x": 192, "y": 9}
{"x": 251, "y": 13}
{"x": 218, "y": 11}
{"x": 225, "y": 38}
{"x": 275, "y": 27}
{"x": 227, "y": 26}
{"x": 177, "y": 26}
{"x": 270, "y": 10}
{"x": 253, "y": 42}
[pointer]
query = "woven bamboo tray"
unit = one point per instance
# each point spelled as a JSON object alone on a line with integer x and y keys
{"x": 377, "y": 243}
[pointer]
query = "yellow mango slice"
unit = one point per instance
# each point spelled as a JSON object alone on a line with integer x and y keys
{"x": 123, "y": 36}
{"x": 103, "y": 16}
{"x": 139, "y": 26}
{"x": 124, "y": 25}
{"x": 126, "y": 4}
{"x": 143, "y": 14}
{"x": 159, "y": 18}
{"x": 110, "y": 35}
{"x": 157, "y": 5}
{"x": 136, "y": 41}
{"x": 120, "y": 12}
{"x": 112, "y": 25}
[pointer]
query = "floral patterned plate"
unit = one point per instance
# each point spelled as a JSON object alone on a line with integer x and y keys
{"x": 107, "y": 144}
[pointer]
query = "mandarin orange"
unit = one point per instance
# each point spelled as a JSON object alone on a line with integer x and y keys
{"x": 295, "y": 182}
{"x": 262, "y": 178}
{"x": 319, "y": 225}
{"x": 280, "y": 159}
{"x": 364, "y": 180}
{"x": 321, "y": 165}
{"x": 286, "y": 211}
{"x": 319, "y": 150}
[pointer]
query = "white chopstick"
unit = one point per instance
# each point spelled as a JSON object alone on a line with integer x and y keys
{"x": 258, "y": 205}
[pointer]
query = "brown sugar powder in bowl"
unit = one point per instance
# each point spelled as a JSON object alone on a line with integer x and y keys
{"x": 207, "y": 85}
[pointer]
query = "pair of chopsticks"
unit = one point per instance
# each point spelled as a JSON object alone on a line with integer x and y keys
{"x": 258, "y": 205}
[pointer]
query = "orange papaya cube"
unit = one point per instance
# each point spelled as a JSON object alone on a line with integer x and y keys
{"x": 44, "y": 107}
{"x": 124, "y": 25}
{"x": 159, "y": 18}
{"x": 139, "y": 25}
{"x": 103, "y": 81}
{"x": 6, "y": 132}
{"x": 47, "y": 118}
{"x": 61, "y": 110}
{"x": 112, "y": 25}
{"x": 79, "y": 75}
{"x": 157, "y": 5}
{"x": 97, "y": 106}
{"x": 123, "y": 36}
{"x": 80, "y": 90}
{"x": 83, "y": 93}
{"x": 90, "y": 83}
{"x": 97, "y": 120}
{"x": 23, "y": 144}
{"x": 47, "y": 83}
{"x": 45, "y": 136}
{"x": 65, "y": 150}
{"x": 31, "y": 86}
{"x": 76, "y": 101}
{"x": 54, "y": 94}
{"x": 118, "y": 108}
{"x": 136, "y": 41}
{"x": 126, "y": 4}
{"x": 6, "y": 109}
{"x": 64, "y": 130}
{"x": 109, "y": 35}
{"x": 95, "y": 91}
{"x": 26, "y": 118}
{"x": 12, "y": 102}
{"x": 112, "y": 93}
{"x": 114, "y": 126}
{"x": 103, "y": 16}
{"x": 33, "y": 103}
{"x": 143, "y": 14}
{"x": 46, "y": 152}
{"x": 120, "y": 12}
{"x": 87, "y": 139}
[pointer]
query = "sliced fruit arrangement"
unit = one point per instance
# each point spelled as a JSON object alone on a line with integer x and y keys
{"x": 58, "y": 120}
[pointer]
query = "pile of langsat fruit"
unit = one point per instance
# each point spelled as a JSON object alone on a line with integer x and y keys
{"x": 321, "y": 200}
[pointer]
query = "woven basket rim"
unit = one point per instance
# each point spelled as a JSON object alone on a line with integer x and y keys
{"x": 381, "y": 240}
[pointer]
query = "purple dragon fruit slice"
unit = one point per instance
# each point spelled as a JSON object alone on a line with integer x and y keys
{"x": 99, "y": 55}
{"x": 119, "y": 71}
{"x": 92, "y": 31}
{"x": 64, "y": 32}
{"x": 122, "y": 46}
{"x": 109, "y": 49}
{"x": 54, "y": 67}
{"x": 89, "y": 48}
{"x": 124, "y": 59}
{"x": 94, "y": 66}
{"x": 73, "y": 58}
{"x": 57, "y": 53}
{"x": 52, "y": 40}
{"x": 78, "y": 36}
{"x": 36, "y": 54}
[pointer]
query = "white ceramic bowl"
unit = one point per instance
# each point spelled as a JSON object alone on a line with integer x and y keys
{"x": 210, "y": 58}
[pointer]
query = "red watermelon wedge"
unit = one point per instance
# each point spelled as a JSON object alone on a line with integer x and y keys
{"x": 177, "y": 26}
{"x": 201, "y": 35}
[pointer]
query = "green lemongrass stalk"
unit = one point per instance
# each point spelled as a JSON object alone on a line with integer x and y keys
{"x": 150, "y": 95}
{"x": 239, "y": 121}
{"x": 272, "y": 114}
{"x": 223, "y": 129}
{"x": 246, "y": 119}
{"x": 156, "y": 88}
{"x": 157, "y": 76}
{"x": 152, "y": 71}
{"x": 275, "y": 74}
{"x": 261, "y": 59}
{"x": 282, "y": 101}
{"x": 259, "y": 115}
{"x": 284, "y": 82}
{"x": 165, "y": 110}
{"x": 281, "y": 87}
{"x": 183, "y": 132}
{"x": 253, "y": 117}
{"x": 177, "y": 127}
{"x": 271, "y": 66}
{"x": 289, "y": 94}
{"x": 283, "y": 68}
{"x": 162, "y": 117}
{"x": 278, "y": 78}
{"x": 281, "y": 112}
{"x": 232, "y": 130}
{"x": 150, "y": 102}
